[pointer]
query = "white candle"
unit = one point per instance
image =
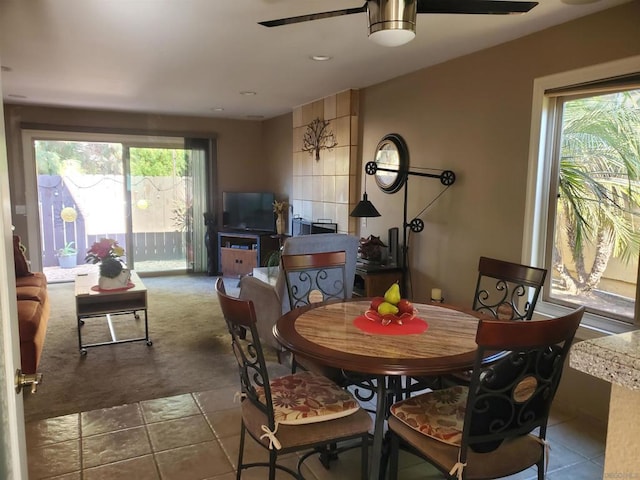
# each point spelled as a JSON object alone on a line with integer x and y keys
{"x": 436, "y": 294}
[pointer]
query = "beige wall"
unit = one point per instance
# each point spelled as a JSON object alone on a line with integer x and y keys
{"x": 472, "y": 115}
{"x": 277, "y": 148}
{"x": 240, "y": 145}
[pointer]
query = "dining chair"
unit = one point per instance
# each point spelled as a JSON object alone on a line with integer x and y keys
{"x": 315, "y": 277}
{"x": 297, "y": 412}
{"x": 312, "y": 278}
{"x": 497, "y": 426}
{"x": 272, "y": 301}
{"x": 321, "y": 277}
{"x": 506, "y": 290}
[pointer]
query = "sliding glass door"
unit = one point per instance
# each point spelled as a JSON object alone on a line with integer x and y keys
{"x": 141, "y": 192}
{"x": 160, "y": 209}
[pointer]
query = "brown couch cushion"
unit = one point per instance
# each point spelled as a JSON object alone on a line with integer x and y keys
{"x": 36, "y": 279}
{"x": 21, "y": 264}
{"x": 37, "y": 294}
{"x": 29, "y": 317}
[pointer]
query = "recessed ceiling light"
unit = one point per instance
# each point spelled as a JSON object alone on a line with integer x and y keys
{"x": 4, "y": 68}
{"x": 15, "y": 95}
{"x": 320, "y": 58}
{"x": 248, "y": 93}
{"x": 218, "y": 109}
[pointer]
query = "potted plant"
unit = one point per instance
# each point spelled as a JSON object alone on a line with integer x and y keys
{"x": 273, "y": 262}
{"x": 113, "y": 273}
{"x": 67, "y": 255}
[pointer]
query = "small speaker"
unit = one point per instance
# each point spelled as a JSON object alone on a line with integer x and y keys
{"x": 393, "y": 245}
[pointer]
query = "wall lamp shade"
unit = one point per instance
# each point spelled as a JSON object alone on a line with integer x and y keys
{"x": 392, "y": 22}
{"x": 365, "y": 208}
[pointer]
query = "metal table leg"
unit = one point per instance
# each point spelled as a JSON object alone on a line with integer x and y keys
{"x": 378, "y": 429}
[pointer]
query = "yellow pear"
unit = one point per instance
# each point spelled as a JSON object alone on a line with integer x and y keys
{"x": 392, "y": 295}
{"x": 385, "y": 308}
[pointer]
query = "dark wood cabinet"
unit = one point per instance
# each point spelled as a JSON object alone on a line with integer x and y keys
{"x": 373, "y": 280}
{"x": 240, "y": 252}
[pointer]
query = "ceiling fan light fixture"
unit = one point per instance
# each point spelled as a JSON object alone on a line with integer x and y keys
{"x": 392, "y": 37}
{"x": 392, "y": 22}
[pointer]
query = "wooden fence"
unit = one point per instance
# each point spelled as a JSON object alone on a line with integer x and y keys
{"x": 54, "y": 196}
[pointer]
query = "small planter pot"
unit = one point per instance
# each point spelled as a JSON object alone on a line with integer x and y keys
{"x": 67, "y": 261}
{"x": 119, "y": 282}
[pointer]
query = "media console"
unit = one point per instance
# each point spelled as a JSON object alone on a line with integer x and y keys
{"x": 239, "y": 252}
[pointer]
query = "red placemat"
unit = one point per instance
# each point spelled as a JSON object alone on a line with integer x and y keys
{"x": 408, "y": 327}
{"x": 96, "y": 288}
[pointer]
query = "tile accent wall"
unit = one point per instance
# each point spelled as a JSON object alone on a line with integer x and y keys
{"x": 327, "y": 189}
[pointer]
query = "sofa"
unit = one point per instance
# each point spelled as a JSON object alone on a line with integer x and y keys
{"x": 33, "y": 309}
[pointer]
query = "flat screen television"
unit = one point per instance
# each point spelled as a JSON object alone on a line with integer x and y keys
{"x": 248, "y": 211}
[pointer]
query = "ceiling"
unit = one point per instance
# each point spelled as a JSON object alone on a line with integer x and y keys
{"x": 195, "y": 57}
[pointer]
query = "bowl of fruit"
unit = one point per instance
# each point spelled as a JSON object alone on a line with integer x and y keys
{"x": 391, "y": 308}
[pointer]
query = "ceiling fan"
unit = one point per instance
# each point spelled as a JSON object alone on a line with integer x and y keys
{"x": 393, "y": 22}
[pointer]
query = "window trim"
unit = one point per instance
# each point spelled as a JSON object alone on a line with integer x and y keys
{"x": 539, "y": 172}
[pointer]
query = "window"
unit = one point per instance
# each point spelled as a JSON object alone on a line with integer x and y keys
{"x": 583, "y": 197}
{"x": 594, "y": 260}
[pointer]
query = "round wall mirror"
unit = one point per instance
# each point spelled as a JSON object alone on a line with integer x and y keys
{"x": 392, "y": 162}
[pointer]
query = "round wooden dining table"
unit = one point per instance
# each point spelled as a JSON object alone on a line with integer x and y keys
{"x": 336, "y": 335}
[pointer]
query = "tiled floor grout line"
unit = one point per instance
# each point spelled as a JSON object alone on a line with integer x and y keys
{"x": 80, "y": 440}
{"x": 213, "y": 432}
{"x": 153, "y": 451}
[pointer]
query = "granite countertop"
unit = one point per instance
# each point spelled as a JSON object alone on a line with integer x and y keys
{"x": 615, "y": 358}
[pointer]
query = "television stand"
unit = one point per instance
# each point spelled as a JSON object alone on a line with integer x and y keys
{"x": 240, "y": 251}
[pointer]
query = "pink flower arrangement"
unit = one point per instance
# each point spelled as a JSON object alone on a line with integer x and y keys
{"x": 105, "y": 248}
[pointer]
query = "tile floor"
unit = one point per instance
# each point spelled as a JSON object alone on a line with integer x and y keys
{"x": 196, "y": 436}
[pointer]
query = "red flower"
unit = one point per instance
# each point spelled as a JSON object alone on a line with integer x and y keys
{"x": 105, "y": 248}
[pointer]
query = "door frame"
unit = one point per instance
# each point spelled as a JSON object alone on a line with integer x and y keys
{"x": 13, "y": 446}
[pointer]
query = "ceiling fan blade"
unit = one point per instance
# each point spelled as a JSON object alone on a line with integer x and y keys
{"x": 313, "y": 16}
{"x": 482, "y": 7}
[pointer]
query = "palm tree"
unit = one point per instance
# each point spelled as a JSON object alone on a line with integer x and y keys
{"x": 599, "y": 187}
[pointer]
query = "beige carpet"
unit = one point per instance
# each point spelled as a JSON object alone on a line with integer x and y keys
{"x": 190, "y": 350}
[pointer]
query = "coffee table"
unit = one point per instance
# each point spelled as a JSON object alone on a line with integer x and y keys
{"x": 92, "y": 302}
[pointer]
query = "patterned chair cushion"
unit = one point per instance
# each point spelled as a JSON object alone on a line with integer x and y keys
{"x": 306, "y": 397}
{"x": 438, "y": 414}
